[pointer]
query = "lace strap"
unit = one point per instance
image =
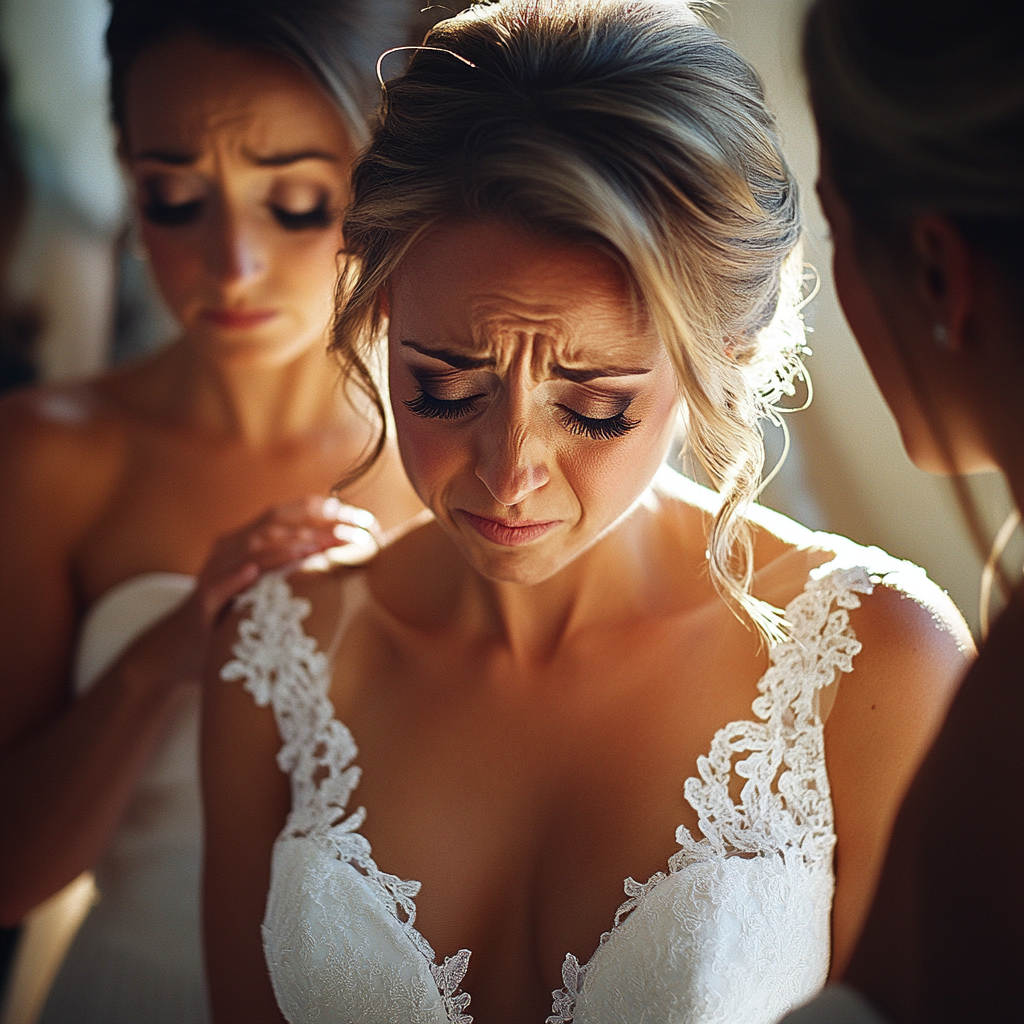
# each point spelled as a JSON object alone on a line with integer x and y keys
{"x": 785, "y": 801}
{"x": 281, "y": 666}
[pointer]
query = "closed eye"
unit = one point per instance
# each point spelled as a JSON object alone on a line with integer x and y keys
{"x": 432, "y": 408}
{"x": 603, "y": 429}
{"x": 170, "y": 215}
{"x": 321, "y": 216}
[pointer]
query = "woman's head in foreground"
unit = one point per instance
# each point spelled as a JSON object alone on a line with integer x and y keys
{"x": 920, "y": 109}
{"x": 238, "y": 123}
{"x": 582, "y": 208}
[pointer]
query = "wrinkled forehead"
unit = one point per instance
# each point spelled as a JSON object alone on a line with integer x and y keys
{"x": 185, "y": 93}
{"x": 485, "y": 285}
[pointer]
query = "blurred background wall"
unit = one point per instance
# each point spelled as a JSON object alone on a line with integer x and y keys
{"x": 75, "y": 263}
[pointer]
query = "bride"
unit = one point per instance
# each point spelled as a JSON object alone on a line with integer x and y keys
{"x": 572, "y": 225}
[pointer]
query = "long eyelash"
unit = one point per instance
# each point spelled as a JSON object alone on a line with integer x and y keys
{"x": 169, "y": 215}
{"x": 433, "y": 408}
{"x": 319, "y": 217}
{"x": 599, "y": 429}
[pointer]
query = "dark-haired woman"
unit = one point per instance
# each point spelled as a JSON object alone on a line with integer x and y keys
{"x": 573, "y": 223}
{"x": 921, "y": 115}
{"x": 238, "y": 122}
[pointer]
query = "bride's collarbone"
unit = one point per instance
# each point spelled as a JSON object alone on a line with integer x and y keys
{"x": 544, "y": 792}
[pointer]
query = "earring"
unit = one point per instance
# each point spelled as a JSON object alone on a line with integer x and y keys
{"x": 940, "y": 334}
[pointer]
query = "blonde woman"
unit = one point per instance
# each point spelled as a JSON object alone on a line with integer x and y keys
{"x": 124, "y": 497}
{"x": 428, "y": 777}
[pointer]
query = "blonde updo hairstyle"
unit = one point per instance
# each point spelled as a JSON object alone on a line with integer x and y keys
{"x": 631, "y": 126}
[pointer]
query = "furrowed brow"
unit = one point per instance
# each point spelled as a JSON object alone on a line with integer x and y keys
{"x": 179, "y": 159}
{"x": 456, "y": 359}
{"x": 284, "y": 159}
{"x": 583, "y": 376}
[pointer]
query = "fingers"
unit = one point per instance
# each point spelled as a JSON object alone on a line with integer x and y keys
{"x": 217, "y": 594}
{"x": 287, "y": 534}
{"x": 275, "y": 540}
{"x": 360, "y": 517}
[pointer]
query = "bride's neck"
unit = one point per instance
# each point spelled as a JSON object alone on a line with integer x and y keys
{"x": 611, "y": 582}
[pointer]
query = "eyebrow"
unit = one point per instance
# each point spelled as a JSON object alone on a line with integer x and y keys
{"x": 456, "y": 359}
{"x": 582, "y": 376}
{"x": 462, "y": 362}
{"x": 178, "y": 159}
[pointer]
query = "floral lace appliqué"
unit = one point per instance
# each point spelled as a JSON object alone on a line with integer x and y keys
{"x": 785, "y": 805}
{"x": 281, "y": 666}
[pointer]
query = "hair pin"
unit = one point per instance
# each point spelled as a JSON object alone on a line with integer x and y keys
{"x": 434, "y": 49}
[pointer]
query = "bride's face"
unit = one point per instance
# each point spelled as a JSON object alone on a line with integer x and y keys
{"x": 240, "y": 166}
{"x": 533, "y": 401}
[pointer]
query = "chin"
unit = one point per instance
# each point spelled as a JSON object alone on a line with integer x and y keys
{"x": 519, "y": 569}
{"x": 927, "y": 456}
{"x": 255, "y": 349}
{"x": 522, "y": 567}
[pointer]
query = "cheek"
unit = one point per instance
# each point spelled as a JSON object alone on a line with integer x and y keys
{"x": 432, "y": 453}
{"x": 874, "y": 335}
{"x": 863, "y": 314}
{"x": 612, "y": 476}
{"x": 175, "y": 259}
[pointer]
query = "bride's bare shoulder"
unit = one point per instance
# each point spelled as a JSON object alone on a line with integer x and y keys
{"x": 691, "y": 507}
{"x": 787, "y": 555}
{"x": 412, "y": 558}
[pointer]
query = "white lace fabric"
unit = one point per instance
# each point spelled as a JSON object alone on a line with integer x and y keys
{"x": 737, "y": 928}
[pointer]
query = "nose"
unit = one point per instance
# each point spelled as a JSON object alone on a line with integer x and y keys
{"x": 236, "y": 255}
{"x": 510, "y": 462}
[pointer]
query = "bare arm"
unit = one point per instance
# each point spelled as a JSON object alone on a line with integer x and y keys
{"x": 245, "y": 800}
{"x": 887, "y": 714}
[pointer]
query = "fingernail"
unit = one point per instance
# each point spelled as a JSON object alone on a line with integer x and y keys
{"x": 356, "y": 516}
{"x": 348, "y": 534}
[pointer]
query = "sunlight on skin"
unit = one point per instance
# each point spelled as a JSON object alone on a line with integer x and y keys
{"x": 509, "y": 356}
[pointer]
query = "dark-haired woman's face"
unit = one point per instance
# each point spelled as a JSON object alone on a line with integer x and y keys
{"x": 876, "y": 333}
{"x": 890, "y": 306}
{"x": 240, "y": 165}
{"x": 533, "y": 403}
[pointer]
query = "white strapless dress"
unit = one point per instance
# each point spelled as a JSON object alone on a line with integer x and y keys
{"x": 138, "y": 957}
{"x": 736, "y": 930}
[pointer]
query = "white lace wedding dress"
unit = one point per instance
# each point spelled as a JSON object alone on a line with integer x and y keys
{"x": 735, "y": 931}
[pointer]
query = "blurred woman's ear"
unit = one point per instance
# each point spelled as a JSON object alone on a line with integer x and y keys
{"x": 944, "y": 277}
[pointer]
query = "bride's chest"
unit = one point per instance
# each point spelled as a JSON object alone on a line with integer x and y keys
{"x": 521, "y": 803}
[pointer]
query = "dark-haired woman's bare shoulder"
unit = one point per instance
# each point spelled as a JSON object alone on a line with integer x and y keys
{"x": 61, "y": 447}
{"x": 60, "y": 456}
